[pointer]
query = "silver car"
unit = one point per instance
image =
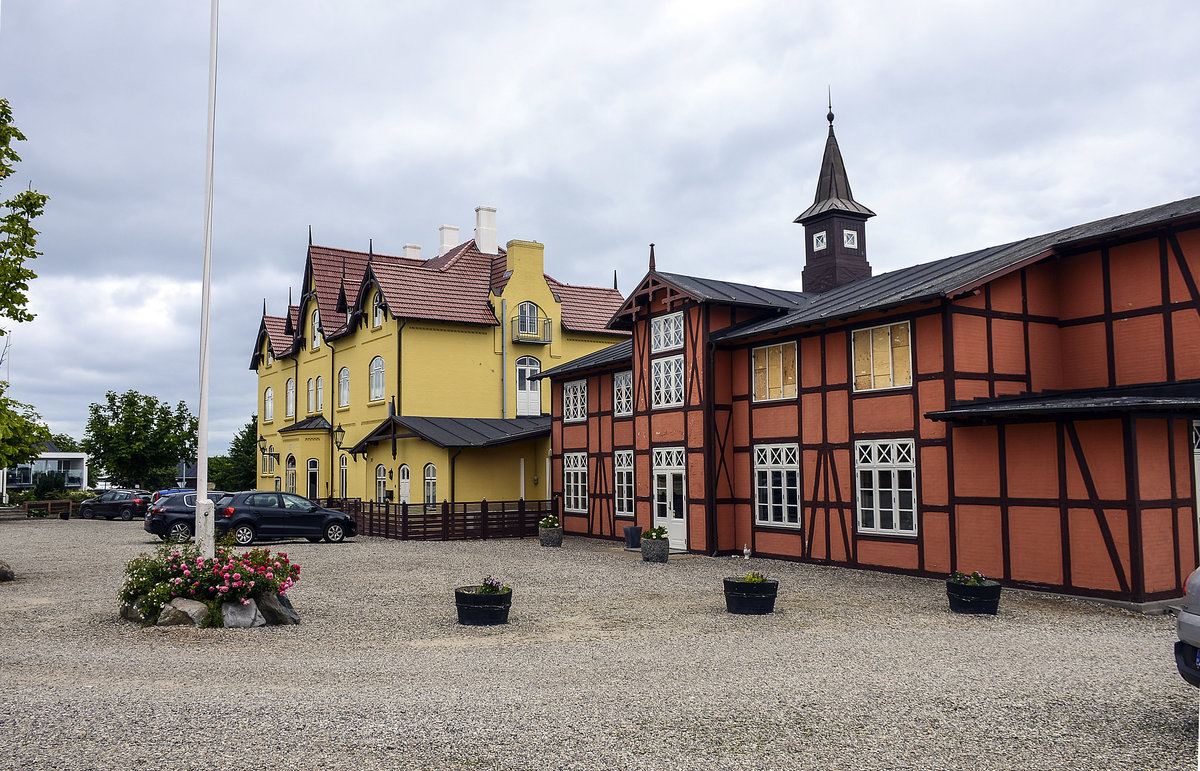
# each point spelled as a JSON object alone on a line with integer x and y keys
{"x": 1187, "y": 650}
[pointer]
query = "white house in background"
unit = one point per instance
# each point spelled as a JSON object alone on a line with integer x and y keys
{"x": 24, "y": 476}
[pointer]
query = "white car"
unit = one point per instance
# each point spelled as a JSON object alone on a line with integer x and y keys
{"x": 1187, "y": 650}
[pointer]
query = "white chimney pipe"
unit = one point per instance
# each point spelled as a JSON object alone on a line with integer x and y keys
{"x": 412, "y": 251}
{"x": 485, "y": 230}
{"x": 449, "y": 238}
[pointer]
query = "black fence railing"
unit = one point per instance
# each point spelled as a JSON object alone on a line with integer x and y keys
{"x": 444, "y": 521}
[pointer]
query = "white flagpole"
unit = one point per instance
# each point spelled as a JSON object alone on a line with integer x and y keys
{"x": 204, "y": 507}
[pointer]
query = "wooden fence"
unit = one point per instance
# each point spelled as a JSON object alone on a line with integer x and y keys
{"x": 444, "y": 521}
{"x": 50, "y": 508}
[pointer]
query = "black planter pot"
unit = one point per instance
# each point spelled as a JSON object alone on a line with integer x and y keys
{"x": 64, "y": 515}
{"x": 750, "y": 598}
{"x": 633, "y": 536}
{"x": 482, "y": 609}
{"x": 978, "y": 598}
{"x": 550, "y": 536}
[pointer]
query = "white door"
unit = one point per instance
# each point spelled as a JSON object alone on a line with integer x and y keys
{"x": 670, "y": 497}
{"x": 404, "y": 480}
{"x": 529, "y": 394}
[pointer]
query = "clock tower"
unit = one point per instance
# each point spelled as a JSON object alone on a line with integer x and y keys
{"x": 835, "y": 238}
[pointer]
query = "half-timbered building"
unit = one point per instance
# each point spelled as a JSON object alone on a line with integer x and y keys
{"x": 1024, "y": 410}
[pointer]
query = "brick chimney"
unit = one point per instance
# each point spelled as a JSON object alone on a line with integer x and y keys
{"x": 485, "y": 230}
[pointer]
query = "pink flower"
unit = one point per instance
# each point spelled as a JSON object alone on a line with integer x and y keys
{"x": 187, "y": 572}
{"x": 270, "y": 575}
{"x": 237, "y": 576}
{"x": 245, "y": 601}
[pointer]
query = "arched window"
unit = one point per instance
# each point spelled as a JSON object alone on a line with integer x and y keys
{"x": 342, "y": 477}
{"x": 344, "y": 387}
{"x": 269, "y": 404}
{"x": 527, "y": 319}
{"x": 271, "y": 459}
{"x": 313, "y": 479}
{"x": 320, "y": 394}
{"x": 380, "y": 483}
{"x": 529, "y": 395}
{"x": 310, "y": 394}
{"x": 264, "y": 463}
{"x": 315, "y": 328}
{"x": 404, "y": 483}
{"x": 290, "y": 397}
{"x": 430, "y": 484}
{"x": 377, "y": 378}
{"x": 270, "y": 357}
{"x": 290, "y": 482}
{"x": 377, "y": 310}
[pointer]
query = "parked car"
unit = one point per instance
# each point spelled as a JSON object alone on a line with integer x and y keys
{"x": 173, "y": 517}
{"x": 171, "y": 491}
{"x": 260, "y": 514}
{"x": 125, "y": 504}
{"x": 1187, "y": 650}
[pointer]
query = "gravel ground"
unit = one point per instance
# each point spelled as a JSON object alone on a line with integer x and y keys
{"x": 607, "y": 662}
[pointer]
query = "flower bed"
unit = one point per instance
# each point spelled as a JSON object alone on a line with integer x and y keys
{"x": 153, "y": 580}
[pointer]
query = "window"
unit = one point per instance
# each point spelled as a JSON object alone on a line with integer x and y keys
{"x": 269, "y": 404}
{"x": 881, "y": 357}
{"x": 315, "y": 329}
{"x": 342, "y": 469}
{"x": 270, "y": 357}
{"x": 529, "y": 395}
{"x": 527, "y": 320}
{"x": 377, "y": 310}
{"x": 377, "y": 378}
{"x": 320, "y": 394}
{"x": 271, "y": 459}
{"x": 777, "y": 485}
{"x": 430, "y": 485}
{"x": 403, "y": 487}
{"x": 313, "y": 479}
{"x": 666, "y": 384}
{"x": 310, "y": 394}
{"x": 775, "y": 372}
{"x": 575, "y": 401}
{"x": 666, "y": 332}
{"x": 380, "y": 483}
{"x": 264, "y": 463}
{"x": 290, "y": 473}
{"x": 344, "y": 387}
{"x": 886, "y": 472}
{"x": 290, "y": 405}
{"x": 575, "y": 492}
{"x": 623, "y": 482}
{"x": 623, "y": 393}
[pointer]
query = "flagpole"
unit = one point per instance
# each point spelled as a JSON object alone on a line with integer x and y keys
{"x": 204, "y": 507}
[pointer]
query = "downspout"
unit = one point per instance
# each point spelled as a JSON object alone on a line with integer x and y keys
{"x": 503, "y": 358}
{"x": 332, "y": 394}
{"x": 453, "y": 458}
{"x": 399, "y": 368}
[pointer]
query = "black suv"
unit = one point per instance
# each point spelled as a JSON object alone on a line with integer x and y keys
{"x": 260, "y": 514}
{"x": 125, "y": 504}
{"x": 173, "y": 517}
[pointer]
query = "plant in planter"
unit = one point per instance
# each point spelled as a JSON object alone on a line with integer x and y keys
{"x": 550, "y": 531}
{"x": 485, "y": 604}
{"x": 750, "y": 595}
{"x": 655, "y": 545}
{"x": 973, "y": 593}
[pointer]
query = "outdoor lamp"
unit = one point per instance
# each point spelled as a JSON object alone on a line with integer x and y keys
{"x": 339, "y": 434}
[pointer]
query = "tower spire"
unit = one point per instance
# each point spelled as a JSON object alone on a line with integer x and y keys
{"x": 651, "y": 258}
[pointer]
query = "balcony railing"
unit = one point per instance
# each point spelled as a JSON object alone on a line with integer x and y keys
{"x": 531, "y": 330}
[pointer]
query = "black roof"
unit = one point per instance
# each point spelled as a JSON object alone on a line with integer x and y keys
{"x": 730, "y": 293}
{"x": 833, "y": 186}
{"x": 945, "y": 277}
{"x": 315, "y": 423}
{"x": 605, "y": 357}
{"x": 458, "y": 432}
{"x": 1172, "y": 398}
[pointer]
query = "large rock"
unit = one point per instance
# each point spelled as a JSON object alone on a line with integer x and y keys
{"x": 182, "y": 612}
{"x": 277, "y": 609}
{"x": 237, "y": 615}
{"x": 6, "y": 573}
{"x": 130, "y": 612}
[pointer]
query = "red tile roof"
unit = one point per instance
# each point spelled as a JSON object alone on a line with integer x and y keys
{"x": 586, "y": 308}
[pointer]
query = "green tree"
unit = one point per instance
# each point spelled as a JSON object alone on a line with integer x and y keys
{"x": 18, "y": 239}
{"x": 21, "y": 431}
{"x": 239, "y": 469}
{"x": 140, "y": 440}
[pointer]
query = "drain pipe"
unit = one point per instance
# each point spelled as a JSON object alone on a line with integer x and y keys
{"x": 503, "y": 358}
{"x": 453, "y": 458}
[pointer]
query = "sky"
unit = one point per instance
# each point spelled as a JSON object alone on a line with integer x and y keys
{"x": 594, "y": 128}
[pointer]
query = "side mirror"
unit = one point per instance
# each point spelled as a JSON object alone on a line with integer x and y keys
{"x": 313, "y": 508}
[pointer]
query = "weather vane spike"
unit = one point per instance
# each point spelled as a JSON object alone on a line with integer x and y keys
{"x": 652, "y": 258}
{"x": 310, "y": 235}
{"x": 829, "y": 116}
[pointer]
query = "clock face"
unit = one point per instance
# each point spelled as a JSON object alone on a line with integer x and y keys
{"x": 818, "y": 241}
{"x": 850, "y": 239}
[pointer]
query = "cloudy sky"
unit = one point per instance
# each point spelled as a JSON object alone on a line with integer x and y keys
{"x": 594, "y": 128}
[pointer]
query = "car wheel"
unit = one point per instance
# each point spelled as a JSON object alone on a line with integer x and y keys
{"x": 335, "y": 533}
{"x": 179, "y": 532}
{"x": 243, "y": 535}
{"x": 313, "y": 538}
{"x": 126, "y": 515}
{"x": 87, "y": 512}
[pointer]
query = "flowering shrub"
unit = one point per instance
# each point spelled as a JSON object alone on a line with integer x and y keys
{"x": 754, "y": 577}
{"x": 153, "y": 580}
{"x": 974, "y": 578}
{"x": 550, "y": 521}
{"x": 655, "y": 534}
{"x": 491, "y": 585}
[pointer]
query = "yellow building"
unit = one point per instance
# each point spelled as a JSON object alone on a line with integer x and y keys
{"x": 408, "y": 379}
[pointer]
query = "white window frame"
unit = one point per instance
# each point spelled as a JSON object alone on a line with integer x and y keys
{"x": 310, "y": 394}
{"x": 623, "y": 392}
{"x": 271, "y": 459}
{"x": 290, "y": 398}
{"x": 879, "y": 467}
{"x": 320, "y": 393}
{"x": 575, "y": 482}
{"x": 270, "y": 357}
{"x": 315, "y": 329}
{"x": 344, "y": 387}
{"x": 777, "y": 486}
{"x": 290, "y": 473}
{"x": 430, "y": 485}
{"x": 343, "y": 467}
{"x": 776, "y": 376}
{"x": 378, "y": 372}
{"x": 377, "y": 310}
{"x": 891, "y": 362}
{"x": 380, "y": 483}
{"x": 527, "y": 319}
{"x": 574, "y": 398}
{"x": 666, "y": 382}
{"x": 269, "y": 404}
{"x": 623, "y": 489}
{"x": 666, "y": 332}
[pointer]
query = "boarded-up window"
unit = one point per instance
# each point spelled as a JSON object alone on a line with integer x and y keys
{"x": 882, "y": 357}
{"x": 775, "y": 372}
